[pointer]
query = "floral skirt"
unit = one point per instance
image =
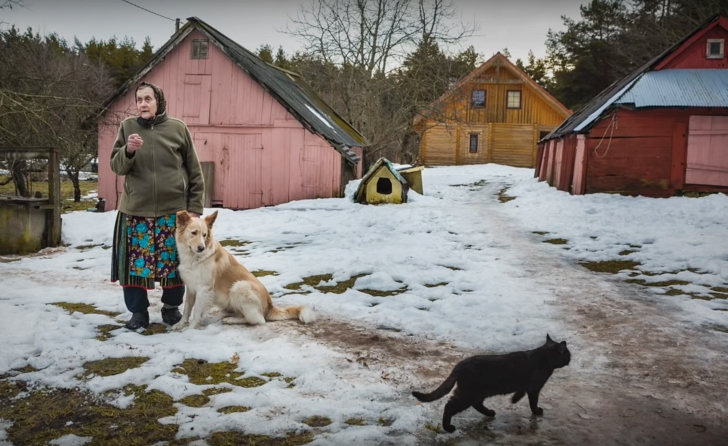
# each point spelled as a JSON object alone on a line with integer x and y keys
{"x": 144, "y": 251}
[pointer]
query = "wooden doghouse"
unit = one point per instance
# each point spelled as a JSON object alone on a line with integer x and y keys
{"x": 382, "y": 184}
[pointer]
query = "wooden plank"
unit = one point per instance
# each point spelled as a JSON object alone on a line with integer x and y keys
{"x": 208, "y": 174}
{"x": 679, "y": 156}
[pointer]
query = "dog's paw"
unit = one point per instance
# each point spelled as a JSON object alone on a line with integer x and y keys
{"x": 180, "y": 326}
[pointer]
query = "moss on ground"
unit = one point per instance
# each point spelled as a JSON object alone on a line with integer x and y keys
{"x": 317, "y": 421}
{"x": 41, "y": 415}
{"x": 355, "y": 422}
{"x": 83, "y": 308}
{"x": 540, "y": 232}
{"x": 379, "y": 293}
{"x": 627, "y": 252}
{"x": 232, "y": 243}
{"x": 263, "y": 273}
{"x": 195, "y": 400}
{"x": 202, "y": 372}
{"x": 313, "y": 282}
{"x": 233, "y": 409}
{"x": 240, "y": 438}
{"x": 435, "y": 285}
{"x": 556, "y": 241}
{"x": 216, "y": 391}
{"x": 386, "y": 422}
{"x": 154, "y": 329}
{"x": 105, "y": 331}
{"x": 113, "y": 366}
{"x": 436, "y": 428}
{"x": 610, "y": 266}
{"x": 503, "y": 197}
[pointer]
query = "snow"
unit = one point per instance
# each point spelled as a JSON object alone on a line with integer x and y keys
{"x": 485, "y": 299}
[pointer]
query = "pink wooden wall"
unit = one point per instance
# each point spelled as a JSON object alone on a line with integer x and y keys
{"x": 707, "y": 158}
{"x": 263, "y": 156}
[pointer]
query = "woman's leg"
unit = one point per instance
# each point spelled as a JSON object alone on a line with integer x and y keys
{"x": 172, "y": 298}
{"x": 137, "y": 302}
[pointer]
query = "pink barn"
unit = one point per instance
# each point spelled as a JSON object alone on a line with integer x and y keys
{"x": 262, "y": 136}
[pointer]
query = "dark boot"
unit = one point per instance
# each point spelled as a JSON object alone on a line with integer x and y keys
{"x": 171, "y": 316}
{"x": 138, "y": 320}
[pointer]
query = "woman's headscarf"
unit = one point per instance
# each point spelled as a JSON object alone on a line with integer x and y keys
{"x": 158, "y": 95}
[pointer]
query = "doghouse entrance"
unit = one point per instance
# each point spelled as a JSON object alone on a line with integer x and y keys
{"x": 384, "y": 186}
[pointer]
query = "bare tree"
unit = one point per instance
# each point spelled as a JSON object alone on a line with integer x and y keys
{"x": 49, "y": 95}
{"x": 352, "y": 48}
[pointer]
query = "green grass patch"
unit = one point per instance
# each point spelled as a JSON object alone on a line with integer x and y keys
{"x": 240, "y": 438}
{"x": 86, "y": 187}
{"x": 155, "y": 329}
{"x": 83, "y": 308}
{"x": 263, "y": 273}
{"x": 386, "y": 422}
{"x": 87, "y": 247}
{"x": 313, "y": 281}
{"x": 720, "y": 329}
{"x": 627, "y": 252}
{"x": 216, "y": 391}
{"x": 232, "y": 243}
{"x": 195, "y": 400}
{"x": 556, "y": 241}
{"x": 433, "y": 427}
{"x": 435, "y": 285}
{"x": 42, "y": 415}
{"x": 664, "y": 283}
{"x": 202, "y": 372}
{"x": 720, "y": 289}
{"x": 355, "y": 422}
{"x": 19, "y": 371}
{"x": 541, "y": 233}
{"x": 719, "y": 295}
{"x": 317, "y": 421}
{"x": 271, "y": 374}
{"x": 233, "y": 409}
{"x": 113, "y": 366}
{"x": 379, "y": 293}
{"x": 105, "y": 331}
{"x": 503, "y": 197}
{"x": 610, "y": 266}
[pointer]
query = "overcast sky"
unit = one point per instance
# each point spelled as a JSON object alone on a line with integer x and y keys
{"x": 519, "y": 25}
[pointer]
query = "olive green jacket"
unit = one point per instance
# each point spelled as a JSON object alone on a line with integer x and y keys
{"x": 163, "y": 176}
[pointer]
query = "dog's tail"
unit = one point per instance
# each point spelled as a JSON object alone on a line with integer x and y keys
{"x": 441, "y": 391}
{"x": 302, "y": 313}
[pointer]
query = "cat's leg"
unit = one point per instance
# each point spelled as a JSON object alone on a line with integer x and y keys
{"x": 484, "y": 410}
{"x": 517, "y": 396}
{"x": 533, "y": 402}
{"x": 454, "y": 406}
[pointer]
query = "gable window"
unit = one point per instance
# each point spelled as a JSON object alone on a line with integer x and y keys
{"x": 514, "y": 99}
{"x": 478, "y": 99}
{"x": 715, "y": 49}
{"x": 199, "y": 49}
{"x": 473, "y": 143}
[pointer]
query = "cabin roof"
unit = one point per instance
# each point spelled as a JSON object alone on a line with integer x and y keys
{"x": 287, "y": 87}
{"x": 663, "y": 88}
{"x": 485, "y": 66}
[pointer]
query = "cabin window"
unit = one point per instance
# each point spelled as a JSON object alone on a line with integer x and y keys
{"x": 478, "y": 99}
{"x": 715, "y": 49}
{"x": 473, "y": 143}
{"x": 514, "y": 99}
{"x": 199, "y": 49}
{"x": 384, "y": 186}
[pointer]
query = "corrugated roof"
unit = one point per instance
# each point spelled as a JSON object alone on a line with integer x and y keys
{"x": 583, "y": 118}
{"x": 679, "y": 88}
{"x": 287, "y": 87}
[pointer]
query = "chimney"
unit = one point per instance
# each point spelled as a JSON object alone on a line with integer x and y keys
{"x": 176, "y": 25}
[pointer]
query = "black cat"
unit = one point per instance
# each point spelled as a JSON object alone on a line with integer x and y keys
{"x": 483, "y": 376}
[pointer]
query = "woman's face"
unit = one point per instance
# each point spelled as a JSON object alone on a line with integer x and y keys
{"x": 146, "y": 103}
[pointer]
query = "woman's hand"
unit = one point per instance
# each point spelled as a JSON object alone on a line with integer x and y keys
{"x": 133, "y": 143}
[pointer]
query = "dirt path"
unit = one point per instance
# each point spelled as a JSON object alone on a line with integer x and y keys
{"x": 638, "y": 375}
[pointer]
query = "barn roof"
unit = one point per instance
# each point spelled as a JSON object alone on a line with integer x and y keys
{"x": 287, "y": 87}
{"x": 643, "y": 84}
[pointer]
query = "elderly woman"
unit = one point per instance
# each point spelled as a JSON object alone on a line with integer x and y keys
{"x": 156, "y": 155}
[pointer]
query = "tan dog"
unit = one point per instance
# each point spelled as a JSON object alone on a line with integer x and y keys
{"x": 213, "y": 276}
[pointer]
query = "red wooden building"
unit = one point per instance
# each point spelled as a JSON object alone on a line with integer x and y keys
{"x": 262, "y": 135}
{"x": 660, "y": 131}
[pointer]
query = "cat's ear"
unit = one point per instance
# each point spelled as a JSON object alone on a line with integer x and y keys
{"x": 562, "y": 346}
{"x": 548, "y": 338}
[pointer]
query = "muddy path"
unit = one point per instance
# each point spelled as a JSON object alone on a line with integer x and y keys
{"x": 638, "y": 375}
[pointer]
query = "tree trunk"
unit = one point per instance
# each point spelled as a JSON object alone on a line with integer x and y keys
{"x": 76, "y": 186}
{"x": 19, "y": 171}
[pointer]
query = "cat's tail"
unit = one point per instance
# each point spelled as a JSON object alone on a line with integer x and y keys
{"x": 438, "y": 393}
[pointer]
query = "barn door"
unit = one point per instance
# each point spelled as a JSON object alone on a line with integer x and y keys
{"x": 707, "y": 160}
{"x": 243, "y": 155}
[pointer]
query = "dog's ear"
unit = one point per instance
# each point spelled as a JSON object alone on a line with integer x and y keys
{"x": 183, "y": 217}
{"x": 210, "y": 219}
